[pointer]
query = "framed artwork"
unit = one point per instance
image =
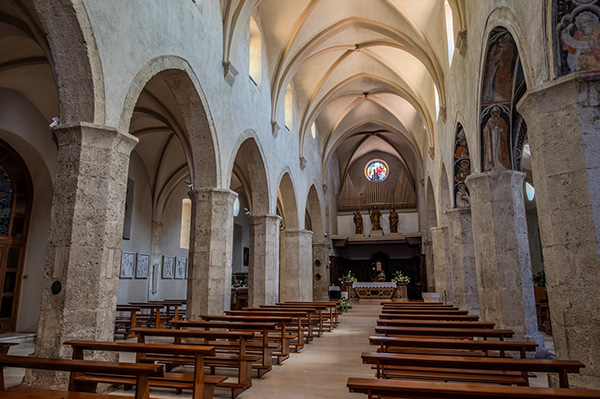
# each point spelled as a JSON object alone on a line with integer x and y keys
{"x": 168, "y": 268}
{"x": 246, "y": 256}
{"x": 180, "y": 263}
{"x": 142, "y": 266}
{"x": 127, "y": 264}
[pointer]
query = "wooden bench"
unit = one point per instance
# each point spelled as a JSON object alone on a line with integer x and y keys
{"x": 468, "y": 369}
{"x": 5, "y": 346}
{"x": 456, "y": 347}
{"x": 435, "y": 323}
{"x": 425, "y": 311}
{"x": 262, "y": 346}
{"x": 38, "y": 393}
{"x": 141, "y": 372}
{"x": 202, "y": 386}
{"x": 152, "y": 314}
{"x": 417, "y": 304}
{"x": 416, "y": 316}
{"x": 311, "y": 322}
{"x": 463, "y": 333}
{"x": 239, "y": 360}
{"x": 332, "y": 305}
{"x": 442, "y": 390}
{"x": 295, "y": 327}
{"x": 126, "y": 319}
{"x": 280, "y": 336}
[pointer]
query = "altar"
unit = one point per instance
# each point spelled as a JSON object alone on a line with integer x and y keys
{"x": 377, "y": 289}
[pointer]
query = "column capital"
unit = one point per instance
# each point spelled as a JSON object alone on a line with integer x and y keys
{"x": 298, "y": 232}
{"x": 263, "y": 219}
{"x": 96, "y": 135}
{"x": 457, "y": 211}
{"x": 204, "y": 193}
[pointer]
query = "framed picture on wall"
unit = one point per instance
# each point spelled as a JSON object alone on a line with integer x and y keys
{"x": 180, "y": 263}
{"x": 246, "y": 256}
{"x": 168, "y": 268}
{"x": 142, "y": 266}
{"x": 127, "y": 264}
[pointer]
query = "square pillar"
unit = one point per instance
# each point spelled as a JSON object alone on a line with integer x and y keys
{"x": 502, "y": 252}
{"x": 81, "y": 272}
{"x": 441, "y": 263}
{"x": 321, "y": 286}
{"x": 296, "y": 265}
{"x": 462, "y": 260}
{"x": 211, "y": 242}
{"x": 562, "y": 119}
{"x": 263, "y": 272}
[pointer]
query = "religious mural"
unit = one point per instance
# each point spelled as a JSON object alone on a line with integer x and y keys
{"x": 502, "y": 78}
{"x": 462, "y": 169}
{"x": 576, "y": 35}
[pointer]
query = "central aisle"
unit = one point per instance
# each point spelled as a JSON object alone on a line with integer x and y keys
{"x": 322, "y": 368}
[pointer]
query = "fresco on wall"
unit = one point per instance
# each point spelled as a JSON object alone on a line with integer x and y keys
{"x": 499, "y": 67}
{"x": 576, "y": 35}
{"x": 495, "y": 130}
{"x": 462, "y": 169}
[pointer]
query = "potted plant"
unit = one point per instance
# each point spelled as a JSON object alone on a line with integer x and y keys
{"x": 380, "y": 276}
{"x": 349, "y": 278}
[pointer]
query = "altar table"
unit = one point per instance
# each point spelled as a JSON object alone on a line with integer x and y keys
{"x": 379, "y": 290}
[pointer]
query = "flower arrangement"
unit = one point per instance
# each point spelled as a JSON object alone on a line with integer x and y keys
{"x": 350, "y": 278}
{"x": 343, "y": 305}
{"x": 399, "y": 278}
{"x": 380, "y": 276}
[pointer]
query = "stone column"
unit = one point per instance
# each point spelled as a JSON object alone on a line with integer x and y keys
{"x": 211, "y": 239}
{"x": 562, "y": 118}
{"x": 156, "y": 254}
{"x": 81, "y": 273}
{"x": 321, "y": 287}
{"x": 295, "y": 270}
{"x": 428, "y": 252}
{"x": 462, "y": 260}
{"x": 502, "y": 252}
{"x": 263, "y": 273}
{"x": 441, "y": 263}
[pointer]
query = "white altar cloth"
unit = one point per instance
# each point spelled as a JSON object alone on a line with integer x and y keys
{"x": 375, "y": 284}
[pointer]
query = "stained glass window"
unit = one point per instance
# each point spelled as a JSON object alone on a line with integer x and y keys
{"x": 376, "y": 170}
{"x": 6, "y": 200}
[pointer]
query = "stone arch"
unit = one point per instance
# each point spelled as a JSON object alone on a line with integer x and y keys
{"x": 287, "y": 198}
{"x": 74, "y": 59}
{"x": 248, "y": 159}
{"x": 313, "y": 206}
{"x": 200, "y": 139}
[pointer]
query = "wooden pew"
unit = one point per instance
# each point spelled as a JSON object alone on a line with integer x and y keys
{"x": 38, "y": 393}
{"x": 202, "y": 386}
{"x": 315, "y": 318}
{"x": 153, "y": 314}
{"x": 416, "y": 316}
{"x": 425, "y": 311}
{"x": 126, "y": 320}
{"x": 408, "y": 304}
{"x": 280, "y": 336}
{"x": 5, "y": 346}
{"x": 239, "y": 360}
{"x": 463, "y": 333}
{"x": 456, "y": 347}
{"x": 261, "y": 346}
{"x": 332, "y": 321}
{"x": 295, "y": 327}
{"x": 469, "y": 369}
{"x": 435, "y": 323}
{"x": 141, "y": 372}
{"x": 442, "y": 390}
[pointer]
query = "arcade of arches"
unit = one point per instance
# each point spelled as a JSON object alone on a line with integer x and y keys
{"x": 202, "y": 144}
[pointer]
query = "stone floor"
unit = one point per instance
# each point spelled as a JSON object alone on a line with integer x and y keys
{"x": 320, "y": 370}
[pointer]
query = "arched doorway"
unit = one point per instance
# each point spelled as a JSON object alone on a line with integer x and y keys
{"x": 15, "y": 205}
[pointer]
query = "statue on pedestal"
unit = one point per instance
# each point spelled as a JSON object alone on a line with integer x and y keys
{"x": 375, "y": 216}
{"x": 393, "y": 221}
{"x": 358, "y": 222}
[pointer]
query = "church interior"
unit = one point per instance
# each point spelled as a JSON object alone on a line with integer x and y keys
{"x": 235, "y": 154}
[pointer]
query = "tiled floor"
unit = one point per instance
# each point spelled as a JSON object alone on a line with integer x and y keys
{"x": 320, "y": 370}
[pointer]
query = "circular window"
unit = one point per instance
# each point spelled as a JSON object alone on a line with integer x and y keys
{"x": 376, "y": 170}
{"x": 236, "y": 207}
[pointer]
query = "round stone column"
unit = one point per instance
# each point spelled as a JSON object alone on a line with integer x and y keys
{"x": 502, "y": 252}
{"x": 564, "y": 135}
{"x": 321, "y": 286}
{"x": 211, "y": 243}
{"x": 263, "y": 272}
